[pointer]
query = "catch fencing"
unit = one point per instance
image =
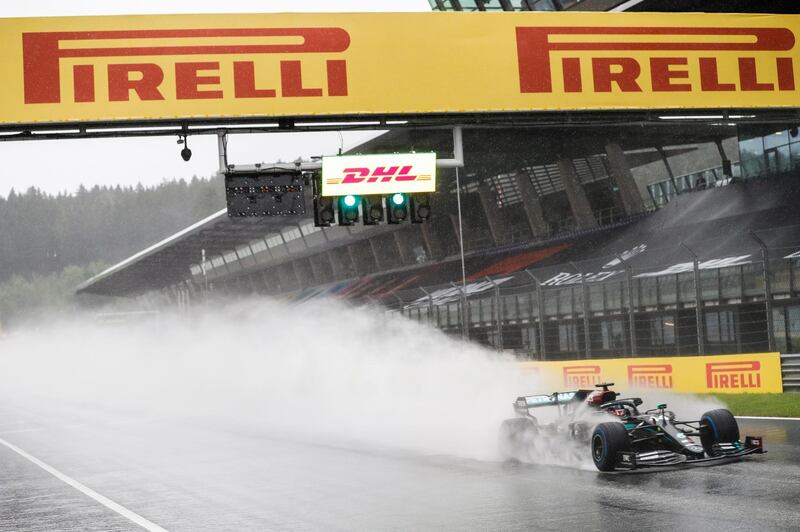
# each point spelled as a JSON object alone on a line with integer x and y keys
{"x": 746, "y": 303}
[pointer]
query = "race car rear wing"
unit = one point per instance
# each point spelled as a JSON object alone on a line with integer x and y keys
{"x": 522, "y": 404}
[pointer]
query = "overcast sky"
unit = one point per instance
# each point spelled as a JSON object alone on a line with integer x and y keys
{"x": 55, "y": 166}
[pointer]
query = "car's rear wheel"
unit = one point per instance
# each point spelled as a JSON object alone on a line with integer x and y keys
{"x": 517, "y": 437}
{"x": 608, "y": 439}
{"x": 718, "y": 426}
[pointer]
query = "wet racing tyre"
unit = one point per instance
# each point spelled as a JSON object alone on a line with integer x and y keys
{"x": 607, "y": 440}
{"x": 516, "y": 440}
{"x": 718, "y": 426}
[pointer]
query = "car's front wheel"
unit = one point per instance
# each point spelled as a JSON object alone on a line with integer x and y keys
{"x": 718, "y": 426}
{"x": 608, "y": 439}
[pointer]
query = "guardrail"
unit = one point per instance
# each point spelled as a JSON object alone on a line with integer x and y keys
{"x": 790, "y": 371}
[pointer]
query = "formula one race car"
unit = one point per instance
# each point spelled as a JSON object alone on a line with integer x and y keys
{"x": 619, "y": 436}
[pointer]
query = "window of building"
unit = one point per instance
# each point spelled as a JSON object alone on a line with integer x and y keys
{"x": 291, "y": 234}
{"x": 731, "y": 281}
{"x": 274, "y": 241}
{"x": 720, "y": 327}
{"x": 686, "y": 289}
{"x": 786, "y": 322}
{"x": 662, "y": 330}
{"x": 309, "y": 228}
{"x": 648, "y": 291}
{"x": 794, "y": 155}
{"x": 751, "y": 147}
{"x": 567, "y": 337}
{"x": 506, "y": 189}
{"x": 778, "y": 138}
{"x": 545, "y": 178}
{"x": 613, "y": 295}
{"x": 793, "y": 328}
{"x": 752, "y": 280}
{"x": 658, "y": 194}
{"x": 468, "y": 185}
{"x": 590, "y": 169}
{"x": 667, "y": 289}
{"x": 777, "y": 160}
{"x": 612, "y": 333}
{"x": 769, "y": 152}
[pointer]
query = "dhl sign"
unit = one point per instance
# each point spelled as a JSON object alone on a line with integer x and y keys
{"x": 133, "y": 68}
{"x": 759, "y": 372}
{"x": 365, "y": 175}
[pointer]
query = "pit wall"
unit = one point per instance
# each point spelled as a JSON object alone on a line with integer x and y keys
{"x": 750, "y": 373}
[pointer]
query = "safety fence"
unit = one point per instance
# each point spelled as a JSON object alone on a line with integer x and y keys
{"x": 747, "y": 302}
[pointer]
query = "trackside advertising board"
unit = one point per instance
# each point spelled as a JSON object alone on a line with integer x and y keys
{"x": 378, "y": 174}
{"x": 758, "y": 372}
{"x": 125, "y": 68}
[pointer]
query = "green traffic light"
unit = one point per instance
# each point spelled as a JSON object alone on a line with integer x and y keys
{"x": 350, "y": 200}
{"x": 398, "y": 199}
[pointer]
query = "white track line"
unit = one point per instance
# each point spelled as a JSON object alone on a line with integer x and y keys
{"x": 105, "y": 501}
{"x": 767, "y": 417}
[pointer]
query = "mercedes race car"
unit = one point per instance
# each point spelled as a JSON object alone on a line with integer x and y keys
{"x": 619, "y": 436}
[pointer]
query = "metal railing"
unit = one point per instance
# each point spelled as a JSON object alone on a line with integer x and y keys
{"x": 703, "y": 305}
{"x": 790, "y": 371}
{"x": 663, "y": 191}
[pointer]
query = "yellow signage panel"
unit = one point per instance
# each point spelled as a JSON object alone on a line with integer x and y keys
{"x": 130, "y": 68}
{"x": 758, "y": 372}
{"x": 378, "y": 174}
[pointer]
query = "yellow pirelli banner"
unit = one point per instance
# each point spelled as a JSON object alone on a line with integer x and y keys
{"x": 131, "y": 68}
{"x": 757, "y": 372}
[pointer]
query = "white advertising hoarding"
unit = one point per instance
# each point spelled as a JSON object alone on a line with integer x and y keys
{"x": 365, "y": 175}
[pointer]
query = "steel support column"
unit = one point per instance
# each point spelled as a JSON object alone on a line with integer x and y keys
{"x": 623, "y": 177}
{"x": 698, "y": 297}
{"x": 532, "y": 206}
{"x": 497, "y": 314}
{"x": 585, "y": 306}
{"x": 767, "y": 292}
{"x": 540, "y": 316}
{"x": 490, "y": 210}
{"x": 631, "y": 310}
{"x": 578, "y": 201}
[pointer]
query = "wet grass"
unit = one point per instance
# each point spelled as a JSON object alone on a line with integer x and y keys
{"x": 762, "y": 404}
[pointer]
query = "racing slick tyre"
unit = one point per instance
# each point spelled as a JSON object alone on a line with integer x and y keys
{"x": 517, "y": 438}
{"x": 607, "y": 440}
{"x": 718, "y": 426}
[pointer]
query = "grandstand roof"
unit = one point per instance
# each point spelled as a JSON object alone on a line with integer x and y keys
{"x": 168, "y": 262}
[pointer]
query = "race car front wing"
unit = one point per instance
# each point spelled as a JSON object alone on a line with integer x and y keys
{"x": 627, "y": 460}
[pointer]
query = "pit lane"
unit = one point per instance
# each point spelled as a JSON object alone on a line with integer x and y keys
{"x": 182, "y": 476}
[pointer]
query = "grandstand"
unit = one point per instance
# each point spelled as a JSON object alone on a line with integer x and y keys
{"x": 623, "y": 234}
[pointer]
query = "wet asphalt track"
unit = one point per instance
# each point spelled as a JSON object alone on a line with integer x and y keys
{"x": 181, "y": 476}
